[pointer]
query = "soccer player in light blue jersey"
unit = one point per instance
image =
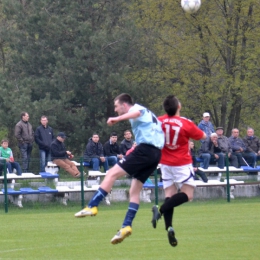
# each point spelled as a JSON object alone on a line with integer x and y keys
{"x": 139, "y": 164}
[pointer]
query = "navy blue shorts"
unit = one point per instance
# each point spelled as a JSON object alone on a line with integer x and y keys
{"x": 142, "y": 162}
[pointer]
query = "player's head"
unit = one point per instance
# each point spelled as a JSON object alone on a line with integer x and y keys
{"x": 122, "y": 103}
{"x": 171, "y": 105}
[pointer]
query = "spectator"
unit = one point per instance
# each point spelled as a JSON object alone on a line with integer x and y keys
{"x": 131, "y": 150}
{"x": 60, "y": 156}
{"x": 7, "y": 154}
{"x": 127, "y": 143}
{"x": 225, "y": 147}
{"x": 194, "y": 163}
{"x": 25, "y": 137}
{"x": 44, "y": 137}
{"x": 112, "y": 151}
{"x": 211, "y": 153}
{"x": 205, "y": 125}
{"x": 252, "y": 144}
{"x": 238, "y": 147}
{"x": 94, "y": 154}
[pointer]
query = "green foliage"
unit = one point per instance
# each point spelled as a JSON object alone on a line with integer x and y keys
{"x": 68, "y": 62}
{"x": 69, "y": 59}
{"x": 208, "y": 59}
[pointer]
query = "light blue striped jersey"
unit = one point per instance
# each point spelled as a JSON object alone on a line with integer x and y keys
{"x": 147, "y": 128}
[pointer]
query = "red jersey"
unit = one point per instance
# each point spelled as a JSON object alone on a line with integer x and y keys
{"x": 178, "y": 130}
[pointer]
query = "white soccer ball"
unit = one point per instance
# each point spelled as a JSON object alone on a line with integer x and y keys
{"x": 190, "y": 6}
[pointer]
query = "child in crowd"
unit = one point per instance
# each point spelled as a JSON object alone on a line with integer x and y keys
{"x": 7, "y": 154}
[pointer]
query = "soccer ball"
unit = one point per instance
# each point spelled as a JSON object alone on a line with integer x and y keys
{"x": 190, "y": 6}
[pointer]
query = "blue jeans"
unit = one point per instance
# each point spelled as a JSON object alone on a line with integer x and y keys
{"x": 45, "y": 157}
{"x": 96, "y": 164}
{"x": 207, "y": 159}
{"x": 14, "y": 165}
{"x": 26, "y": 150}
{"x": 251, "y": 158}
{"x": 112, "y": 160}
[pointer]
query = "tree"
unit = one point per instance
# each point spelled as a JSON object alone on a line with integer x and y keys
{"x": 69, "y": 59}
{"x": 208, "y": 59}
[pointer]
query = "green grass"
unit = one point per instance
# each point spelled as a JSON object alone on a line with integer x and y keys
{"x": 205, "y": 230}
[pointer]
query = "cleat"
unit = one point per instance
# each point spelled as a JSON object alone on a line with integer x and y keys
{"x": 87, "y": 212}
{"x": 156, "y": 215}
{"x": 171, "y": 236}
{"x": 121, "y": 235}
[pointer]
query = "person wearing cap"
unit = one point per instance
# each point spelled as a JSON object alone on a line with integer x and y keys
{"x": 205, "y": 125}
{"x": 44, "y": 137}
{"x": 252, "y": 144}
{"x": 60, "y": 156}
{"x": 211, "y": 153}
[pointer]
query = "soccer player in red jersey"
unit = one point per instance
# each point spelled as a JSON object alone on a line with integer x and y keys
{"x": 176, "y": 163}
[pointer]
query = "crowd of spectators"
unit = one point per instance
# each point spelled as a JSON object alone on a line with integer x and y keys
{"x": 213, "y": 150}
{"x": 240, "y": 151}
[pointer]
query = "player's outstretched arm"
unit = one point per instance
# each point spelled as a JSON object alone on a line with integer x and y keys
{"x": 129, "y": 115}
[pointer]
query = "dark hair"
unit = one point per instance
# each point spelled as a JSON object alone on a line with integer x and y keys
{"x": 95, "y": 134}
{"x": 124, "y": 98}
{"x": 170, "y": 105}
{"x": 126, "y": 131}
{"x": 23, "y": 114}
{"x": 5, "y": 141}
{"x": 113, "y": 134}
{"x": 44, "y": 117}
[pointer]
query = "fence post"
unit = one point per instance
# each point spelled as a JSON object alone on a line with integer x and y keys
{"x": 227, "y": 176}
{"x": 5, "y": 187}
{"x": 82, "y": 183}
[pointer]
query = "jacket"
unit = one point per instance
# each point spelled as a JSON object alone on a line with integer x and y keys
{"x": 93, "y": 150}
{"x": 125, "y": 146}
{"x": 206, "y": 127}
{"x": 23, "y": 132}
{"x": 208, "y": 147}
{"x": 44, "y": 137}
{"x": 224, "y": 144}
{"x": 252, "y": 144}
{"x": 236, "y": 143}
{"x": 58, "y": 150}
{"x": 111, "y": 149}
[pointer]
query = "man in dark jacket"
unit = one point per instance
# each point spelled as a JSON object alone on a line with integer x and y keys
{"x": 111, "y": 150}
{"x": 238, "y": 147}
{"x": 252, "y": 143}
{"x": 44, "y": 137}
{"x": 210, "y": 152}
{"x": 225, "y": 147}
{"x": 127, "y": 143}
{"x": 60, "y": 156}
{"x": 94, "y": 154}
{"x": 25, "y": 137}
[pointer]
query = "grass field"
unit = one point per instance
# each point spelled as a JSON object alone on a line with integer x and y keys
{"x": 205, "y": 230}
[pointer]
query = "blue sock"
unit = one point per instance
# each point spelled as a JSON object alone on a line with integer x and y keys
{"x": 99, "y": 195}
{"x": 130, "y": 214}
